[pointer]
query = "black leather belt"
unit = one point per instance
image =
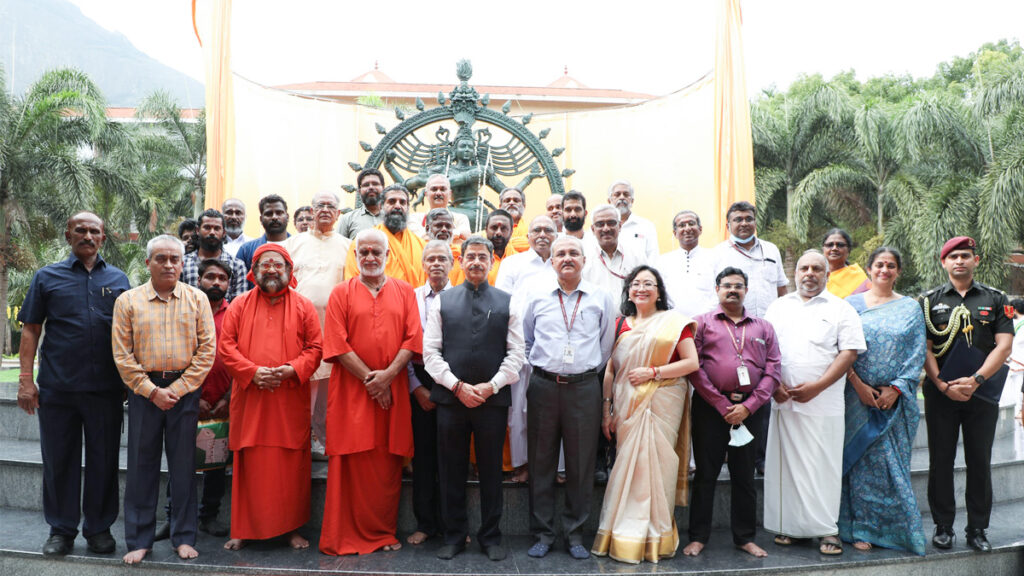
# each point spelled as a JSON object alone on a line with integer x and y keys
{"x": 737, "y": 397}
{"x": 164, "y": 377}
{"x": 565, "y": 378}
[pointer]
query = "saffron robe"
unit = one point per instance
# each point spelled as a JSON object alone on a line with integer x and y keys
{"x": 270, "y": 428}
{"x": 518, "y": 242}
{"x": 405, "y": 261}
{"x": 365, "y": 443}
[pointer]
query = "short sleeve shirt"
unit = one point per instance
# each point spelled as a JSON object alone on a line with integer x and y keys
{"x": 986, "y": 305}
{"x": 75, "y": 307}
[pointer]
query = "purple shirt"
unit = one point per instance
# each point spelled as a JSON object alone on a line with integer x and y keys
{"x": 718, "y": 359}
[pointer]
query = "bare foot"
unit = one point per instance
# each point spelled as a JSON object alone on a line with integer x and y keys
{"x": 862, "y": 546}
{"x": 186, "y": 552}
{"x": 693, "y": 548}
{"x": 135, "y": 556}
{"x": 753, "y": 549}
{"x": 392, "y": 547}
{"x": 234, "y": 544}
{"x": 417, "y": 537}
{"x": 522, "y": 475}
{"x": 297, "y": 542}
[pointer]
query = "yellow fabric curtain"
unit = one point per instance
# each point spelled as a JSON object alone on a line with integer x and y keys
{"x": 220, "y": 114}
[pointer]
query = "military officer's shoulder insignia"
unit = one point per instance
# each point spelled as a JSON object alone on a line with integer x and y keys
{"x": 1008, "y": 310}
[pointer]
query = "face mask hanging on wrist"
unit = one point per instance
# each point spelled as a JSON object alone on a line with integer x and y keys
{"x": 740, "y": 436}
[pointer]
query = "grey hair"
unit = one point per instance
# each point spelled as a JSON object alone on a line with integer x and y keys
{"x": 163, "y": 239}
{"x": 434, "y": 213}
{"x": 814, "y": 252}
{"x": 478, "y": 240}
{"x": 604, "y": 208}
{"x": 625, "y": 183}
{"x": 567, "y": 238}
{"x": 337, "y": 200}
{"x": 681, "y": 212}
{"x": 439, "y": 244}
{"x": 438, "y": 177}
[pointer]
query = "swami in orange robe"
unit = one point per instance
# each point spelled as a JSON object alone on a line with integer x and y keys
{"x": 366, "y": 444}
{"x": 269, "y": 431}
{"x": 405, "y": 261}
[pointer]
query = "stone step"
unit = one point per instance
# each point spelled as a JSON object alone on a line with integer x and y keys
{"x": 23, "y": 532}
{"x": 16, "y": 424}
{"x": 21, "y": 481}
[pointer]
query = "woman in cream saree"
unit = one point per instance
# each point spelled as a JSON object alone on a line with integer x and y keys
{"x": 646, "y": 405}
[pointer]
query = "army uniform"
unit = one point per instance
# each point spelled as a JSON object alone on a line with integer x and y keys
{"x": 946, "y": 417}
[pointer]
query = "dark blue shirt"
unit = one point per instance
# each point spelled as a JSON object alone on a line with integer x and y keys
{"x": 75, "y": 307}
{"x": 245, "y": 252}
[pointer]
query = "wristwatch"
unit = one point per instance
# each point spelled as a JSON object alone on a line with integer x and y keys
{"x": 979, "y": 379}
{"x": 494, "y": 388}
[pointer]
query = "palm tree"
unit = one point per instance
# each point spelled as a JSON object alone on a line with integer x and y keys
{"x": 42, "y": 168}
{"x": 174, "y": 161}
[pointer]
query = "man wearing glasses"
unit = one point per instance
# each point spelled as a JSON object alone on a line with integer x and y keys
{"x": 759, "y": 259}
{"x": 319, "y": 261}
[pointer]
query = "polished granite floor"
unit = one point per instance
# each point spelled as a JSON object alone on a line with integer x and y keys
{"x": 24, "y": 532}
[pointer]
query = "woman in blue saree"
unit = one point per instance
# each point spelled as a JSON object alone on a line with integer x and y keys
{"x": 878, "y": 504}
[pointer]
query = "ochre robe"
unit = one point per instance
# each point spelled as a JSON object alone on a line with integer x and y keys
{"x": 518, "y": 242}
{"x": 405, "y": 261}
{"x": 270, "y": 428}
{"x": 365, "y": 443}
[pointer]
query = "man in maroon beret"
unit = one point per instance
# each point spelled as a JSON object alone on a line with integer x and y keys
{"x": 975, "y": 315}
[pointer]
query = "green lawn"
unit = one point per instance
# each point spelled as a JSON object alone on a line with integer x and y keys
{"x": 9, "y": 375}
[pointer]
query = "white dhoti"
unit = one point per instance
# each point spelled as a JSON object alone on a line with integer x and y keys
{"x": 803, "y": 469}
{"x": 517, "y": 418}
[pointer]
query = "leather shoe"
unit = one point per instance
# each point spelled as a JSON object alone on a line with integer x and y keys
{"x": 58, "y": 545}
{"x": 538, "y": 550}
{"x": 943, "y": 538}
{"x": 495, "y": 552}
{"x": 579, "y": 552}
{"x": 449, "y": 551}
{"x": 600, "y": 477}
{"x": 976, "y": 539}
{"x": 102, "y": 543}
{"x": 213, "y": 527}
{"x": 163, "y": 532}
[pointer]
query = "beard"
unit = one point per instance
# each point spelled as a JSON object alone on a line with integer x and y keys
{"x": 272, "y": 284}
{"x": 211, "y": 243}
{"x": 395, "y": 221}
{"x": 371, "y": 200}
{"x": 213, "y": 293}
{"x": 572, "y": 224}
{"x": 500, "y": 243}
{"x": 275, "y": 227}
{"x": 233, "y": 231}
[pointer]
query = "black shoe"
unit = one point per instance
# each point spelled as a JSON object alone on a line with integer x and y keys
{"x": 976, "y": 539}
{"x": 163, "y": 532}
{"x": 57, "y": 545}
{"x": 495, "y": 552}
{"x": 213, "y": 527}
{"x": 943, "y": 538}
{"x": 102, "y": 543}
{"x": 449, "y": 551}
{"x": 600, "y": 477}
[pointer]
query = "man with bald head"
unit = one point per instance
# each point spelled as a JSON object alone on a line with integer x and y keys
{"x": 553, "y": 210}
{"x": 819, "y": 337}
{"x": 405, "y": 246}
{"x": 318, "y": 258}
{"x": 371, "y": 332}
{"x": 568, "y": 326}
{"x": 438, "y": 194}
{"x": 79, "y": 388}
{"x": 233, "y": 210}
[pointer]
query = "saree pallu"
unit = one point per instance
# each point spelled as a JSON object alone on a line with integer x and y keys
{"x": 649, "y": 478}
{"x": 878, "y": 503}
{"x": 848, "y": 280}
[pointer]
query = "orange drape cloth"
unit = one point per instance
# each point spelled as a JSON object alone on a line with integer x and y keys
{"x": 270, "y": 428}
{"x": 405, "y": 261}
{"x": 850, "y": 279}
{"x": 518, "y": 241}
{"x": 366, "y": 443}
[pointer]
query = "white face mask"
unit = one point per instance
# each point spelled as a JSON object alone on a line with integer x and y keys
{"x": 740, "y": 436}
{"x": 737, "y": 240}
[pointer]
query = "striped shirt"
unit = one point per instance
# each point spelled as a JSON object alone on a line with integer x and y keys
{"x": 151, "y": 334}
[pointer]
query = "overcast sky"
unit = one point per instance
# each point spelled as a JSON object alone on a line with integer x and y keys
{"x": 652, "y": 47}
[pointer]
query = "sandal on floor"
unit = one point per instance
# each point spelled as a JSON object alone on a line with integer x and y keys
{"x": 863, "y": 546}
{"x": 830, "y": 546}
{"x": 783, "y": 540}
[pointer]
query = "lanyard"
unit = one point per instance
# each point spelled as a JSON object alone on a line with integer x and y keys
{"x": 743, "y": 340}
{"x": 750, "y": 256}
{"x": 600, "y": 254}
{"x": 569, "y": 323}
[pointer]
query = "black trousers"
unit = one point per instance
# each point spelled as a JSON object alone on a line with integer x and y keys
{"x": 710, "y": 437}
{"x": 455, "y": 423}
{"x": 149, "y": 430}
{"x": 63, "y": 417}
{"x": 426, "y": 491}
{"x": 945, "y": 419}
{"x": 570, "y": 415}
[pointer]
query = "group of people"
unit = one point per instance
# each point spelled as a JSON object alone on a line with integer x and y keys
{"x": 537, "y": 349}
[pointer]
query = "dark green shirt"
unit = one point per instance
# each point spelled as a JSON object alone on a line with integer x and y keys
{"x": 988, "y": 314}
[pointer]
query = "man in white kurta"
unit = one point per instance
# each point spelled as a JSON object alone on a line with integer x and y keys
{"x": 819, "y": 337}
{"x": 609, "y": 262}
{"x": 689, "y": 271}
{"x": 519, "y": 275}
{"x": 319, "y": 264}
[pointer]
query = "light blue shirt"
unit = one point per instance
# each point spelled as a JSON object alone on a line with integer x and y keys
{"x": 592, "y": 335}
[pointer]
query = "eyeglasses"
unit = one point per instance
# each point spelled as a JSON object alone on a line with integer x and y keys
{"x": 606, "y": 224}
{"x": 742, "y": 219}
{"x": 732, "y": 286}
{"x": 638, "y": 285}
{"x": 324, "y": 206}
{"x": 278, "y": 266}
{"x": 835, "y": 245}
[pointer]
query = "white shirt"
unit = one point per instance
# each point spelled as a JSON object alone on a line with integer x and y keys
{"x": 811, "y": 334}
{"x": 425, "y": 296}
{"x": 689, "y": 280}
{"x": 763, "y": 265}
{"x": 642, "y": 235}
{"x": 608, "y": 272}
{"x": 438, "y": 368}
{"x": 232, "y": 246}
{"x": 523, "y": 273}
